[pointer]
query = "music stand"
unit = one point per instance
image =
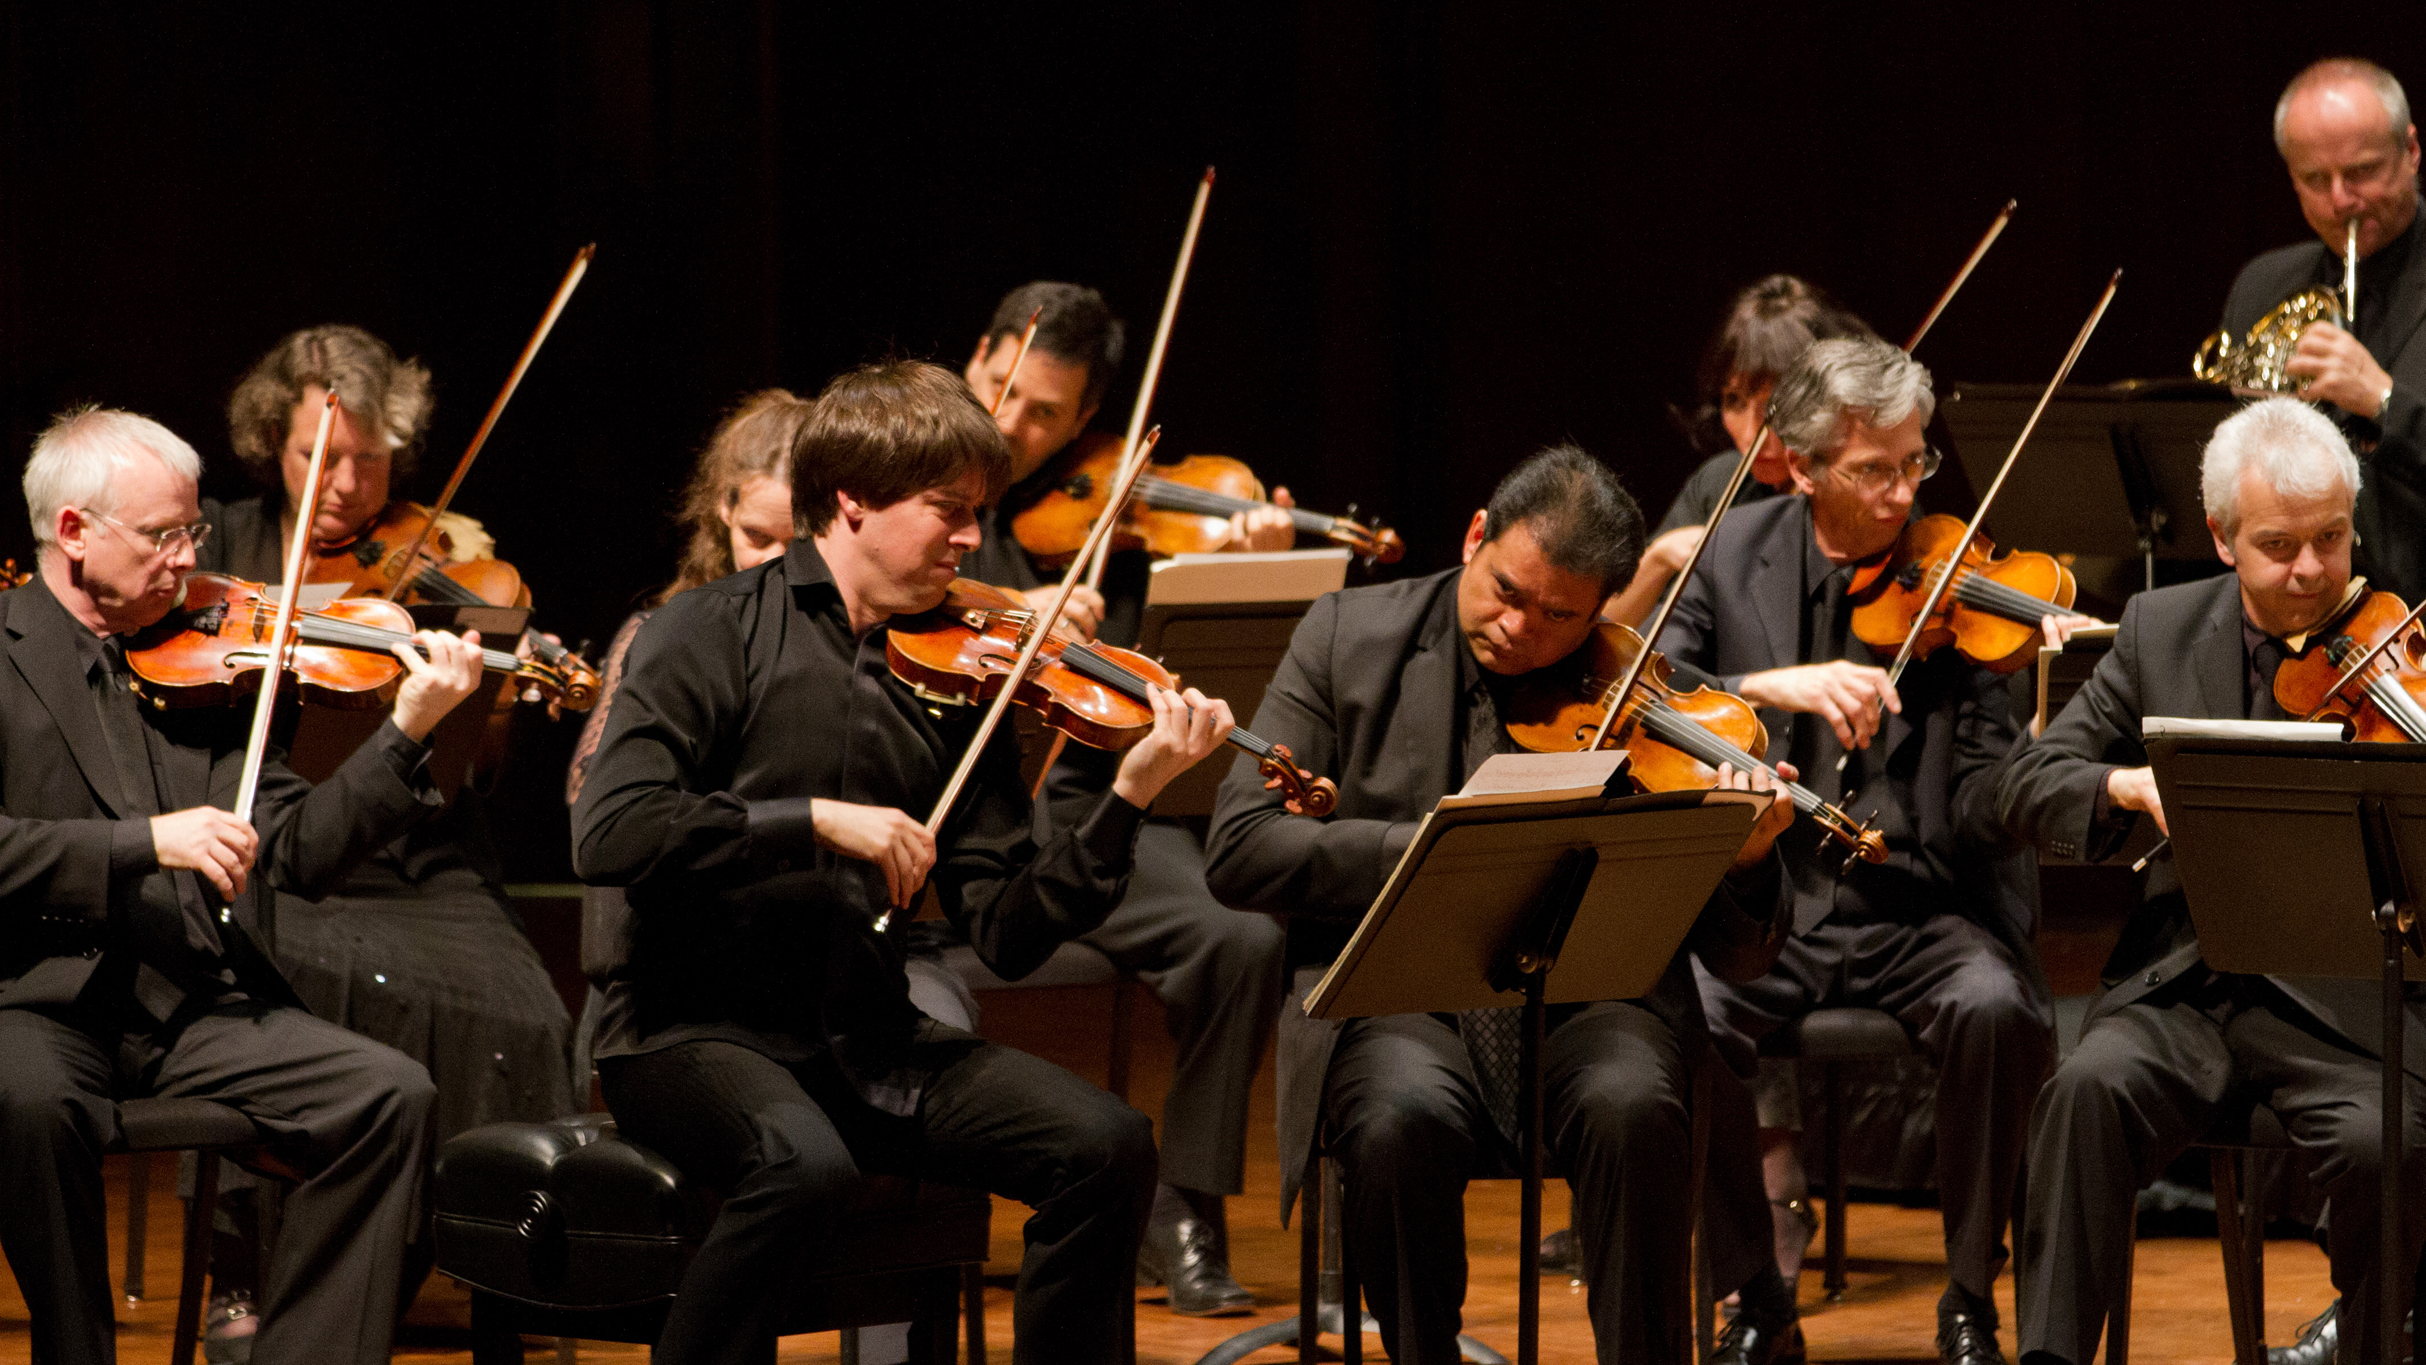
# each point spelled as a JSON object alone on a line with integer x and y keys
{"x": 1531, "y": 899}
{"x": 2357, "y": 812}
{"x": 1223, "y": 622}
{"x": 2112, "y": 472}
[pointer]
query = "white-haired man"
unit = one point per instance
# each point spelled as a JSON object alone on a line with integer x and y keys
{"x": 2343, "y": 128}
{"x": 2168, "y": 1040}
{"x": 131, "y": 960}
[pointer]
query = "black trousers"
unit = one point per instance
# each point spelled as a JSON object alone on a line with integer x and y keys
{"x": 2150, "y": 1079}
{"x": 351, "y": 1112}
{"x": 785, "y": 1143}
{"x": 1960, "y": 992}
{"x": 1218, "y": 975}
{"x": 1408, "y": 1125}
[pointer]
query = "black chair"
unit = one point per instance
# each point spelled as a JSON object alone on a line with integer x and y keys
{"x": 564, "y": 1229}
{"x": 2232, "y": 1148}
{"x": 1072, "y": 964}
{"x": 211, "y": 1131}
{"x": 1834, "y": 1037}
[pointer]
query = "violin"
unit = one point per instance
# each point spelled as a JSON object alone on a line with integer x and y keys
{"x": 371, "y": 563}
{"x": 1990, "y": 613}
{"x": 2366, "y": 669}
{"x": 1180, "y": 508}
{"x": 1675, "y": 740}
{"x": 960, "y": 653}
{"x": 11, "y": 576}
{"x": 214, "y": 644}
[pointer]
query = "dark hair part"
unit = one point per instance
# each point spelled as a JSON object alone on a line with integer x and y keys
{"x": 1076, "y": 327}
{"x": 753, "y": 441}
{"x": 1770, "y": 325}
{"x": 889, "y": 431}
{"x": 378, "y": 389}
{"x": 1582, "y": 517}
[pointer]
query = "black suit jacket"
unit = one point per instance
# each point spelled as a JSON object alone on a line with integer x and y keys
{"x": 1933, "y": 765}
{"x": 2178, "y": 653}
{"x": 77, "y": 871}
{"x": 1369, "y": 695}
{"x": 2391, "y": 516}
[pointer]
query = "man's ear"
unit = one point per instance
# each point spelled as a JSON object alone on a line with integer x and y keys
{"x": 2223, "y": 543}
{"x": 70, "y": 531}
{"x": 1474, "y": 533}
{"x": 1803, "y": 471}
{"x": 849, "y": 509}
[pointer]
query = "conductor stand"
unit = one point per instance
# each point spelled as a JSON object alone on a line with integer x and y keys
{"x": 2360, "y": 810}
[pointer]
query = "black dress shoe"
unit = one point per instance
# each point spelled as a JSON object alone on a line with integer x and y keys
{"x": 1751, "y": 1340}
{"x": 1966, "y": 1330}
{"x": 1186, "y": 1256}
{"x": 1561, "y": 1254}
{"x": 2320, "y": 1340}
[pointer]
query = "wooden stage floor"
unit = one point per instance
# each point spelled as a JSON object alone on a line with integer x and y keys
{"x": 1898, "y": 1258}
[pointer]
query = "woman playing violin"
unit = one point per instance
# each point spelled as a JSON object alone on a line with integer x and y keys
{"x": 418, "y": 948}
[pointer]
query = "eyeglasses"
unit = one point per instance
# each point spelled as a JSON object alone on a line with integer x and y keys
{"x": 1876, "y": 476}
{"x": 163, "y": 541}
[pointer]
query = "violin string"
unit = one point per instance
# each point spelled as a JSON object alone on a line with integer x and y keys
{"x": 1998, "y": 599}
{"x": 315, "y": 628}
{"x": 1166, "y": 495}
{"x": 437, "y": 586}
{"x": 2385, "y": 690}
{"x": 1088, "y": 663}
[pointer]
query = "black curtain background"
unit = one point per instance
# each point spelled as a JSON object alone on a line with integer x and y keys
{"x": 1442, "y": 235}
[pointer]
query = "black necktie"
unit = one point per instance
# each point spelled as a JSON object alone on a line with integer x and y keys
{"x": 122, "y": 725}
{"x": 1493, "y": 1037}
{"x": 2264, "y": 659}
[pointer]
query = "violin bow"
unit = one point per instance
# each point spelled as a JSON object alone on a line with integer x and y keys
{"x": 1937, "y": 591}
{"x": 1026, "y": 339}
{"x": 1153, "y": 375}
{"x": 1040, "y": 628}
{"x": 530, "y": 350}
{"x": 1743, "y": 469}
{"x": 281, "y": 647}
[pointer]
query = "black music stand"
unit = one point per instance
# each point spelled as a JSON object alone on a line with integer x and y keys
{"x": 1534, "y": 899}
{"x": 2357, "y": 815}
{"x": 2111, "y": 471}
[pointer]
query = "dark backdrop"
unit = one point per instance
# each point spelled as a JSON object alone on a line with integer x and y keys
{"x": 1442, "y": 236}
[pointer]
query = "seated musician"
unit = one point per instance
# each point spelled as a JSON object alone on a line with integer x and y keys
{"x": 1767, "y": 330}
{"x": 136, "y": 905}
{"x": 425, "y": 920}
{"x": 1397, "y": 691}
{"x": 760, "y": 792}
{"x": 1939, "y": 934}
{"x": 1216, "y": 974}
{"x": 2344, "y": 131}
{"x": 2170, "y": 1044}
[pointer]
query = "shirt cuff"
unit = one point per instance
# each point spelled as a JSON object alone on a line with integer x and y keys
{"x": 781, "y": 832}
{"x": 408, "y": 759}
{"x": 1110, "y": 833}
{"x": 132, "y": 854}
{"x": 2101, "y": 809}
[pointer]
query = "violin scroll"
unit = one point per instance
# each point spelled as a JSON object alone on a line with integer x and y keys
{"x": 1304, "y": 793}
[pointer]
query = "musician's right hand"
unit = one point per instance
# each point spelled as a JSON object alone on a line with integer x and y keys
{"x": 2135, "y": 789}
{"x": 1848, "y": 695}
{"x": 210, "y": 841}
{"x": 1083, "y": 615}
{"x": 881, "y": 835}
{"x": 2331, "y": 364}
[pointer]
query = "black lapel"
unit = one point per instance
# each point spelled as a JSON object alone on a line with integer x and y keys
{"x": 1777, "y": 586}
{"x": 46, "y": 656}
{"x": 2216, "y": 653}
{"x": 1427, "y": 696}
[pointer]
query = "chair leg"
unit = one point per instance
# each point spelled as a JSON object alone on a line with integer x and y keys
{"x": 198, "y": 1215}
{"x": 1351, "y": 1294}
{"x": 138, "y": 1217}
{"x": 496, "y": 1337}
{"x": 1124, "y": 1001}
{"x": 2224, "y": 1172}
{"x": 1311, "y": 1211}
{"x": 1702, "y": 1301}
{"x": 850, "y": 1346}
{"x": 1832, "y": 1117}
{"x": 2118, "y": 1303}
{"x": 973, "y": 1306}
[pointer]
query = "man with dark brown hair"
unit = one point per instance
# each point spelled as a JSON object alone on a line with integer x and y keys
{"x": 760, "y": 792}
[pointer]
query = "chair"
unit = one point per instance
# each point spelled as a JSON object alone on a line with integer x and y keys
{"x": 211, "y": 1131}
{"x": 1833, "y": 1037}
{"x": 564, "y": 1229}
{"x": 1072, "y": 964}
{"x": 2232, "y": 1145}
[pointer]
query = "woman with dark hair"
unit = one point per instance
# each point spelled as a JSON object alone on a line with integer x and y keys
{"x": 1766, "y": 331}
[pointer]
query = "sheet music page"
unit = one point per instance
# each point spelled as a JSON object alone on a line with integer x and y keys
{"x": 2192, "y": 727}
{"x": 1504, "y": 778}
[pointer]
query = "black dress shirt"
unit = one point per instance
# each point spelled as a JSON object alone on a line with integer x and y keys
{"x": 740, "y": 703}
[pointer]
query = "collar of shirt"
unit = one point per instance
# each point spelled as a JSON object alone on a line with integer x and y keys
{"x": 91, "y": 650}
{"x": 811, "y": 581}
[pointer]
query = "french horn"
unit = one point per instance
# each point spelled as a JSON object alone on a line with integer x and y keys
{"x": 2257, "y": 361}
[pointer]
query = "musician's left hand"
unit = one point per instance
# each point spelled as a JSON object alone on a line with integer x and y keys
{"x": 1773, "y": 822}
{"x": 433, "y": 686}
{"x": 1266, "y": 528}
{"x": 1188, "y": 726}
{"x": 2336, "y": 368}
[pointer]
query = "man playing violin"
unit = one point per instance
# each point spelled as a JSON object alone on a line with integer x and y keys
{"x": 1216, "y": 974}
{"x": 2344, "y": 131}
{"x": 137, "y": 907}
{"x": 1938, "y": 935}
{"x": 1401, "y": 692}
{"x": 2170, "y": 1045}
{"x": 425, "y": 919}
{"x": 760, "y": 793}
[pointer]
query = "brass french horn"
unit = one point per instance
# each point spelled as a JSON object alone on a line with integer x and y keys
{"x": 2257, "y": 360}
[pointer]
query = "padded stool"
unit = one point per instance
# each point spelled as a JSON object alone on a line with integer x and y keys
{"x": 210, "y": 1130}
{"x": 564, "y": 1229}
{"x": 2240, "y": 1228}
{"x": 1833, "y": 1037}
{"x": 1072, "y": 964}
